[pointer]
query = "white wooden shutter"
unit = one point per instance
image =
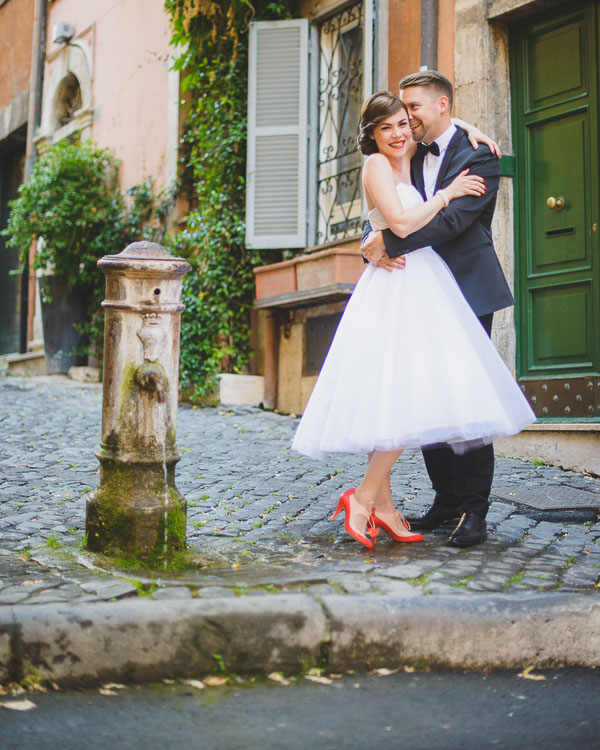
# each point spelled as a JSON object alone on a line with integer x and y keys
{"x": 277, "y": 134}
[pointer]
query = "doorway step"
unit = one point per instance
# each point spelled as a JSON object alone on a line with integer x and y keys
{"x": 30, "y": 363}
{"x": 570, "y": 445}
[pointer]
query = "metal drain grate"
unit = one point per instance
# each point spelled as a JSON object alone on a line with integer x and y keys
{"x": 557, "y": 497}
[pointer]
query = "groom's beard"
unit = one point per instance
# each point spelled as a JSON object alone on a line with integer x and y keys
{"x": 418, "y": 133}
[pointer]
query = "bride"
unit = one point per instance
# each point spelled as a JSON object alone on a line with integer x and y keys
{"x": 410, "y": 365}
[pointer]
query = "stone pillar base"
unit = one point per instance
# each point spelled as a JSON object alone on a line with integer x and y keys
{"x": 136, "y": 512}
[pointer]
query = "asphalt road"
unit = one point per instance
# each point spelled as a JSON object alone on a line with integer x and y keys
{"x": 420, "y": 711}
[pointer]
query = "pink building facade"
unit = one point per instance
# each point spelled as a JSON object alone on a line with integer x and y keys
{"x": 106, "y": 77}
{"x": 119, "y": 54}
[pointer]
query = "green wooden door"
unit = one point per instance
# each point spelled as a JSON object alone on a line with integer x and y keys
{"x": 555, "y": 108}
{"x": 11, "y": 175}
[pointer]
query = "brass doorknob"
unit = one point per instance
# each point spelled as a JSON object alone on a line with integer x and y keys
{"x": 556, "y": 203}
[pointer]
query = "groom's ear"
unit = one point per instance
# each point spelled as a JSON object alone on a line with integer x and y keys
{"x": 443, "y": 104}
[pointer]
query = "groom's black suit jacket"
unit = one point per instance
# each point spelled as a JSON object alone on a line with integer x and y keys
{"x": 461, "y": 233}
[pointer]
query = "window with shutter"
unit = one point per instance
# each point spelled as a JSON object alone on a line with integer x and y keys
{"x": 276, "y": 203}
{"x": 303, "y": 177}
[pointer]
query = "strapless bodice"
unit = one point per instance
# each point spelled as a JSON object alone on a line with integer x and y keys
{"x": 409, "y": 197}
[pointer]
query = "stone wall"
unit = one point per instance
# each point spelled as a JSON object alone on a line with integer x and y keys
{"x": 16, "y": 31}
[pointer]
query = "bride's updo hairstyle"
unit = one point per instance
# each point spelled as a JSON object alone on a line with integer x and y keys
{"x": 376, "y": 109}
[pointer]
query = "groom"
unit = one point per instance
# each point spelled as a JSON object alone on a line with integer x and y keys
{"x": 461, "y": 235}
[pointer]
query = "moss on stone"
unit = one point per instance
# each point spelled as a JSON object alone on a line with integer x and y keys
{"x": 129, "y": 516}
{"x": 109, "y": 527}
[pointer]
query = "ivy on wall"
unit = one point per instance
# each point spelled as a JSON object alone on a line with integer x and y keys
{"x": 213, "y": 37}
{"x": 72, "y": 201}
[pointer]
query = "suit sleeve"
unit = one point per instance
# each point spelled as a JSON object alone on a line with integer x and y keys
{"x": 366, "y": 231}
{"x": 452, "y": 221}
{"x": 367, "y": 228}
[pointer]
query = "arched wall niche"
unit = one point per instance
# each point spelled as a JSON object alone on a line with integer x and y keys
{"x": 67, "y": 102}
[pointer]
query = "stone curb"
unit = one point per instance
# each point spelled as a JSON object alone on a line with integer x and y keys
{"x": 464, "y": 631}
{"x": 137, "y": 640}
{"x": 141, "y": 640}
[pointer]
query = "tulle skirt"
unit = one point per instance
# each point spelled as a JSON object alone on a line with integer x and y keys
{"x": 410, "y": 366}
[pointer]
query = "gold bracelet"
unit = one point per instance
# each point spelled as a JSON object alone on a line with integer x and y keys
{"x": 444, "y": 197}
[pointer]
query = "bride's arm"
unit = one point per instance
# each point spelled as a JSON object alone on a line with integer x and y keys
{"x": 477, "y": 136}
{"x": 378, "y": 180}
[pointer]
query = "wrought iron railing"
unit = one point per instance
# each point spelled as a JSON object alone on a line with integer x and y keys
{"x": 339, "y": 192}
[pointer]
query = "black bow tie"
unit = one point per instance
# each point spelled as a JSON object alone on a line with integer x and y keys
{"x": 433, "y": 148}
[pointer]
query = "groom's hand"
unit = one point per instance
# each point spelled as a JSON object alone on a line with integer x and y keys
{"x": 391, "y": 264}
{"x": 373, "y": 248}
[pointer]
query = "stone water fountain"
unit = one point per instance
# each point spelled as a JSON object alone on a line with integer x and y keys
{"x": 137, "y": 511}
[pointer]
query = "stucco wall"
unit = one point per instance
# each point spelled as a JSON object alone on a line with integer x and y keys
{"x": 16, "y": 35}
{"x": 126, "y": 43}
{"x": 404, "y": 40}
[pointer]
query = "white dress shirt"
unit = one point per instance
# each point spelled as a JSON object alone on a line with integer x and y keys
{"x": 432, "y": 164}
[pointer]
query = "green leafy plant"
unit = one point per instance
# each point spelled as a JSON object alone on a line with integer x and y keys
{"x": 73, "y": 204}
{"x": 218, "y": 291}
{"x": 52, "y": 542}
{"x": 221, "y": 664}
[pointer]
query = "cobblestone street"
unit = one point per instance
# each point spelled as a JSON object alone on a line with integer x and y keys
{"x": 258, "y": 514}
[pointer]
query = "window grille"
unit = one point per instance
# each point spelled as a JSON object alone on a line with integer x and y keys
{"x": 340, "y": 95}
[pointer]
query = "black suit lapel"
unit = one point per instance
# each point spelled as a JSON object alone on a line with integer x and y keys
{"x": 416, "y": 173}
{"x": 448, "y": 156}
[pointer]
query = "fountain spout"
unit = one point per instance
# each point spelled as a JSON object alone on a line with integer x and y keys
{"x": 151, "y": 377}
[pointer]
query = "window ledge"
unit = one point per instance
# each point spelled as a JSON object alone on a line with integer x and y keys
{"x": 353, "y": 241}
{"x": 563, "y": 427}
{"x": 306, "y": 297}
{"x": 326, "y": 274}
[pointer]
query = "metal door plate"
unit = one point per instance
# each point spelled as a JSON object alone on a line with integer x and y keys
{"x": 557, "y": 497}
{"x": 576, "y": 397}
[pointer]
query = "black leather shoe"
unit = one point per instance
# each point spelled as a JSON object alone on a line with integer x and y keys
{"x": 470, "y": 531}
{"x": 434, "y": 516}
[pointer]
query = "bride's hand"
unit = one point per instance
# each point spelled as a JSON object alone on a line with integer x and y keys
{"x": 465, "y": 184}
{"x": 477, "y": 136}
{"x": 373, "y": 248}
{"x": 391, "y": 264}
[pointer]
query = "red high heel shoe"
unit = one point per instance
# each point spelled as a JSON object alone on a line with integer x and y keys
{"x": 396, "y": 526}
{"x": 355, "y": 512}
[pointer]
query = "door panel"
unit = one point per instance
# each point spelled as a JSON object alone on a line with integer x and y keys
{"x": 561, "y": 316}
{"x": 548, "y": 82}
{"x": 557, "y": 153}
{"x": 11, "y": 175}
{"x": 555, "y": 117}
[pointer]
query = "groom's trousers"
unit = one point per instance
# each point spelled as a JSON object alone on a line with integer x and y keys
{"x": 462, "y": 481}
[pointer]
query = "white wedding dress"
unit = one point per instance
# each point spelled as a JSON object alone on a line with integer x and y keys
{"x": 409, "y": 366}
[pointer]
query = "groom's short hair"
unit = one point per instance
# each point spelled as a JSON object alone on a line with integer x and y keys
{"x": 430, "y": 78}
